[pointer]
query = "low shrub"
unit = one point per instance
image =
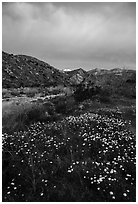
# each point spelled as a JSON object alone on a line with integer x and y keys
{"x": 104, "y": 96}
{"x": 31, "y": 95}
{"x": 64, "y": 105}
{"x": 15, "y": 93}
{"x": 91, "y": 92}
{"x": 22, "y": 116}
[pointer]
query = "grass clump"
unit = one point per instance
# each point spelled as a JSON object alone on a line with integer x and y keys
{"x": 22, "y": 115}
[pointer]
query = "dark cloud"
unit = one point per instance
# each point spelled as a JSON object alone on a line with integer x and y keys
{"x": 72, "y": 34}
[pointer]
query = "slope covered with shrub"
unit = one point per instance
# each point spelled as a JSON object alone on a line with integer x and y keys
{"x": 27, "y": 71}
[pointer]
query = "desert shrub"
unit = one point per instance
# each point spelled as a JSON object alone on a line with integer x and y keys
{"x": 34, "y": 114}
{"x": 55, "y": 91}
{"x": 105, "y": 99}
{"x": 126, "y": 89}
{"x": 64, "y": 104}
{"x": 6, "y": 95}
{"x": 80, "y": 94}
{"x": 49, "y": 107}
{"x": 44, "y": 91}
{"x": 131, "y": 81}
{"x": 4, "y": 91}
{"x": 15, "y": 92}
{"x": 30, "y": 94}
{"x": 61, "y": 106}
{"x": 23, "y": 115}
{"x": 83, "y": 92}
{"x": 68, "y": 91}
{"x": 104, "y": 96}
{"x": 38, "y": 112}
{"x": 70, "y": 105}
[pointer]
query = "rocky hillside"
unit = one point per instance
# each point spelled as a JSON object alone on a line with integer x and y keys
{"x": 26, "y": 71}
{"x": 115, "y": 81}
{"x": 77, "y": 76}
{"x": 110, "y": 77}
{"x": 22, "y": 70}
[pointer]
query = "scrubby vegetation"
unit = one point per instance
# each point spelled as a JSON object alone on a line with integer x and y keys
{"x": 66, "y": 150}
{"x": 67, "y": 136}
{"x": 90, "y": 157}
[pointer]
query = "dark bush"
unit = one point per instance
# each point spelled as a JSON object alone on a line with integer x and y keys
{"x": 71, "y": 105}
{"x": 25, "y": 115}
{"x": 105, "y": 99}
{"x": 84, "y": 92}
{"x": 15, "y": 93}
{"x": 65, "y": 104}
{"x": 30, "y": 94}
{"x": 55, "y": 92}
{"x": 61, "y": 106}
{"x": 131, "y": 81}
{"x": 49, "y": 107}
{"x": 104, "y": 96}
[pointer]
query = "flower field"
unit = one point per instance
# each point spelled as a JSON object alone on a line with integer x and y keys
{"x": 90, "y": 157}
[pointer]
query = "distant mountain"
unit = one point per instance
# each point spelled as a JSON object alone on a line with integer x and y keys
{"x": 118, "y": 81}
{"x": 77, "y": 76}
{"x": 27, "y": 71}
{"x": 112, "y": 76}
{"x": 22, "y": 70}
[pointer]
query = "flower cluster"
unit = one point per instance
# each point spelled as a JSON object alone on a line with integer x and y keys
{"x": 97, "y": 151}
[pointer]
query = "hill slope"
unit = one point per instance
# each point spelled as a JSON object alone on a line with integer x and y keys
{"x": 77, "y": 76}
{"x": 22, "y": 70}
{"x": 115, "y": 80}
{"x": 27, "y": 71}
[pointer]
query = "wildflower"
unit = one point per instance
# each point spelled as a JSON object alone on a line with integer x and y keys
{"x": 112, "y": 171}
{"x": 12, "y": 183}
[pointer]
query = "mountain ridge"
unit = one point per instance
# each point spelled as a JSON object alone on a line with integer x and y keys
{"x": 24, "y": 70}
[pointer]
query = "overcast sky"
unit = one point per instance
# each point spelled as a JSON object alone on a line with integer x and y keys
{"x": 72, "y": 35}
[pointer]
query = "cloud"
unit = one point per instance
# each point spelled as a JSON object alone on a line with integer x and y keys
{"x": 67, "y": 33}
